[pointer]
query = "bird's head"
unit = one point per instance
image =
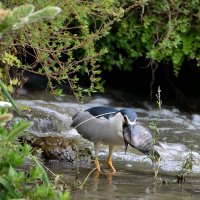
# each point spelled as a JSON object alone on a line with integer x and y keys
{"x": 129, "y": 115}
{"x": 130, "y": 118}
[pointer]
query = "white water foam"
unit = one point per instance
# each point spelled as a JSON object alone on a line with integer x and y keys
{"x": 171, "y": 122}
{"x": 196, "y": 120}
{"x": 173, "y": 157}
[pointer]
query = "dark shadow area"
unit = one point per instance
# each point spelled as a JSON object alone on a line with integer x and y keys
{"x": 182, "y": 91}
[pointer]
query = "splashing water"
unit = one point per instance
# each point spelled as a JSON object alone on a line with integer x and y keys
{"x": 178, "y": 130}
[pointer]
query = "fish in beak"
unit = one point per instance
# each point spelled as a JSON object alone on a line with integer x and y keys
{"x": 140, "y": 138}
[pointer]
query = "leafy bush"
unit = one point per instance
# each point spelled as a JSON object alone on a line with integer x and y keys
{"x": 19, "y": 16}
{"x": 11, "y": 20}
{"x": 160, "y": 31}
{"x": 63, "y": 48}
{"x": 16, "y": 179}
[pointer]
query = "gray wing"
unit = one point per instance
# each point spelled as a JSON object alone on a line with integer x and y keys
{"x": 88, "y": 125}
{"x": 99, "y": 129}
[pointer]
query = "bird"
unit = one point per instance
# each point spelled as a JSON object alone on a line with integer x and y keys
{"x": 112, "y": 127}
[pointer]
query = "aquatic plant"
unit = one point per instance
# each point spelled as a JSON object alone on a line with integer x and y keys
{"x": 154, "y": 127}
{"x": 187, "y": 166}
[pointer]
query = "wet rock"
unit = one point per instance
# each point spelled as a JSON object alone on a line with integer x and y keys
{"x": 58, "y": 148}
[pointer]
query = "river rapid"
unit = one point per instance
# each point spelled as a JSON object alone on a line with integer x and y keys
{"x": 179, "y": 137}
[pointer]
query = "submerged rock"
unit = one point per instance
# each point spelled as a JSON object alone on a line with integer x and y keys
{"x": 58, "y": 148}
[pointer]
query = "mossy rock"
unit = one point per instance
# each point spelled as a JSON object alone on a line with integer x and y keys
{"x": 58, "y": 148}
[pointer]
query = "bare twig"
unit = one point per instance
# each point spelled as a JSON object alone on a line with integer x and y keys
{"x": 83, "y": 183}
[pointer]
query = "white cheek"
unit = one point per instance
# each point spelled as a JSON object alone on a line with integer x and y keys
{"x": 131, "y": 123}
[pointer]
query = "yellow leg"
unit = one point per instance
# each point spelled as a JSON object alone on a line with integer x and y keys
{"x": 109, "y": 159}
{"x": 110, "y": 165}
{"x": 97, "y": 164}
{"x": 96, "y": 161}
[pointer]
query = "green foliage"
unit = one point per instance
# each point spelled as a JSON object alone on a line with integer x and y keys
{"x": 11, "y": 60}
{"x": 187, "y": 167}
{"x": 155, "y": 30}
{"x": 17, "y": 180}
{"x": 81, "y": 36}
{"x": 19, "y": 16}
{"x": 154, "y": 128}
{"x": 66, "y": 46}
{"x": 11, "y": 20}
{"x": 32, "y": 182}
{"x": 7, "y": 95}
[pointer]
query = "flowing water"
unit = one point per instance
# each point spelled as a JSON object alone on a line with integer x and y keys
{"x": 179, "y": 136}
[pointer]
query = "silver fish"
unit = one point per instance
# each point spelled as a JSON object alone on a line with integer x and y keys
{"x": 140, "y": 138}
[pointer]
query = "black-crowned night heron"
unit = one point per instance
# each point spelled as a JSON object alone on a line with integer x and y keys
{"x": 109, "y": 126}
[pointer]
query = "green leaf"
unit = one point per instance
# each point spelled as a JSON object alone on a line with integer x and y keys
{"x": 45, "y": 177}
{"x": 7, "y": 95}
{"x": 18, "y": 129}
{"x": 22, "y": 11}
{"x": 12, "y": 172}
{"x": 8, "y": 186}
{"x": 48, "y": 12}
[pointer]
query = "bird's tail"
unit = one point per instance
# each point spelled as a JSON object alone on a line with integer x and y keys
{"x": 152, "y": 154}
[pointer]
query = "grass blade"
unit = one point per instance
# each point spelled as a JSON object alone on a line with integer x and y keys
{"x": 7, "y": 95}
